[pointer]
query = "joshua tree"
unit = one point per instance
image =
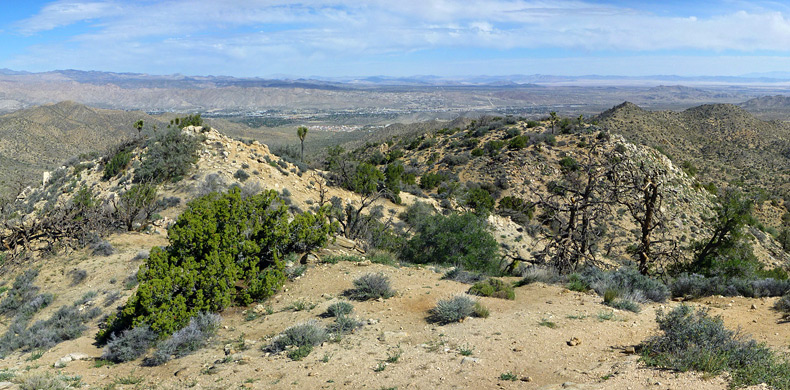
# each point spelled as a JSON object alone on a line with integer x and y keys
{"x": 553, "y": 118}
{"x": 302, "y": 132}
{"x": 139, "y": 126}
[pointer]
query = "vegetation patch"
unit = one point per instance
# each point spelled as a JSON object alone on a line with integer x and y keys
{"x": 495, "y": 288}
{"x": 187, "y": 339}
{"x": 693, "y": 340}
{"x": 308, "y": 334}
{"x": 338, "y": 309}
{"x": 224, "y": 249}
{"x": 460, "y": 240}
{"x": 371, "y": 286}
{"x": 455, "y": 309}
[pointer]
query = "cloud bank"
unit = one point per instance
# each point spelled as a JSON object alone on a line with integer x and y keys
{"x": 345, "y": 37}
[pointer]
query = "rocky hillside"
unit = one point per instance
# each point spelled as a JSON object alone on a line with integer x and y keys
{"x": 43, "y": 138}
{"x": 769, "y": 107}
{"x": 556, "y": 332}
{"x": 724, "y": 143}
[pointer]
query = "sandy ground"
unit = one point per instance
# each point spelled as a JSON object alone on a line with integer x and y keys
{"x": 514, "y": 339}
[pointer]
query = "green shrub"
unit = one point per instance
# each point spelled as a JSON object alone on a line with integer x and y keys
{"x": 518, "y": 142}
{"x": 170, "y": 155}
{"x": 432, "y": 180}
{"x": 692, "y": 340}
{"x": 241, "y": 175}
{"x": 493, "y": 147}
{"x": 518, "y": 209}
{"x": 568, "y": 164}
{"x": 577, "y": 283}
{"x": 460, "y": 240}
{"x": 378, "y": 256}
{"x": 495, "y": 288}
{"x": 300, "y": 353}
{"x": 220, "y": 242}
{"x": 117, "y": 164}
{"x": 479, "y": 200}
{"x": 371, "y": 286}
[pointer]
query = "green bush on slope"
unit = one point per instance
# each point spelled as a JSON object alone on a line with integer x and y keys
{"x": 224, "y": 249}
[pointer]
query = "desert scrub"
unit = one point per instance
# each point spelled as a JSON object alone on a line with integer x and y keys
{"x": 462, "y": 276}
{"x": 117, "y": 164}
{"x": 129, "y": 345}
{"x": 495, "y": 288}
{"x": 170, "y": 155}
{"x": 310, "y": 333}
{"x": 783, "y": 304}
{"x": 220, "y": 241}
{"x": 23, "y": 290}
{"x": 187, "y": 339}
{"x": 338, "y": 309}
{"x": 38, "y": 381}
{"x": 455, "y": 309}
{"x": 371, "y": 286}
{"x": 538, "y": 274}
{"x": 343, "y": 325}
{"x": 696, "y": 286}
{"x": 693, "y": 340}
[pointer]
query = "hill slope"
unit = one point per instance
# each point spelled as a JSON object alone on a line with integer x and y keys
{"x": 39, "y": 139}
{"x": 727, "y": 144}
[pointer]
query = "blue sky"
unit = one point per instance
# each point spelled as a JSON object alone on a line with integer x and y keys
{"x": 396, "y": 38}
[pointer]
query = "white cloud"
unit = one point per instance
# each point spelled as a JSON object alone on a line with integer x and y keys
{"x": 284, "y": 33}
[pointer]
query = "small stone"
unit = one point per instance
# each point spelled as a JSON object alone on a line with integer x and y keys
{"x": 229, "y": 349}
{"x": 574, "y": 342}
{"x": 630, "y": 350}
{"x": 754, "y": 307}
{"x": 468, "y": 359}
{"x": 62, "y": 362}
{"x": 526, "y": 379}
{"x": 372, "y": 321}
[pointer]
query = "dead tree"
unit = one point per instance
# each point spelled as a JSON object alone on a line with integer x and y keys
{"x": 572, "y": 213}
{"x": 639, "y": 187}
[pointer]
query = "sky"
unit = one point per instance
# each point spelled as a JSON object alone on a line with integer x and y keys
{"x": 357, "y": 38}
